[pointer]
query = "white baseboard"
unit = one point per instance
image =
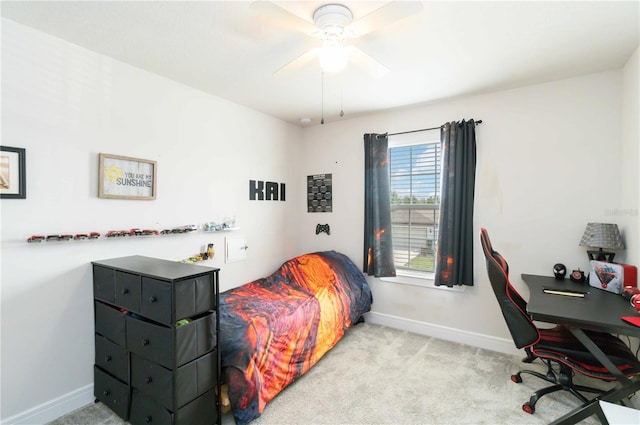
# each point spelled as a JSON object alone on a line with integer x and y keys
{"x": 53, "y": 409}
{"x": 492, "y": 343}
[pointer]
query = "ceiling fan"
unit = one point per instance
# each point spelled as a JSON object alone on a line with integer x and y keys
{"x": 333, "y": 26}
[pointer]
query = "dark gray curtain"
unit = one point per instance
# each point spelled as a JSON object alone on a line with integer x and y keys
{"x": 454, "y": 263}
{"x": 378, "y": 247}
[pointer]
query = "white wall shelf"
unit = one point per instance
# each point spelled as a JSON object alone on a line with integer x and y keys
{"x": 226, "y": 229}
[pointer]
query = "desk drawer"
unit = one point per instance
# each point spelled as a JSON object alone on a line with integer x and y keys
{"x": 172, "y": 346}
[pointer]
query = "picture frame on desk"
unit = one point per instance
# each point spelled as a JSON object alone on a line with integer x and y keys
{"x": 122, "y": 177}
{"x": 13, "y": 181}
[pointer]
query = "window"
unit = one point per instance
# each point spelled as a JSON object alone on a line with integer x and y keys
{"x": 414, "y": 166}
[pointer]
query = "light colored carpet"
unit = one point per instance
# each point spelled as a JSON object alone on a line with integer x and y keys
{"x": 380, "y": 375}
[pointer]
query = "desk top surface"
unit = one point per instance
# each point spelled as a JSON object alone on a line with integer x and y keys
{"x": 599, "y": 310}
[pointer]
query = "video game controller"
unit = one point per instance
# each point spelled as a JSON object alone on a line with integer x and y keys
{"x": 323, "y": 228}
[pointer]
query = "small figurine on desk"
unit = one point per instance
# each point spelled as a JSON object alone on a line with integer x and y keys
{"x": 577, "y": 276}
{"x": 559, "y": 271}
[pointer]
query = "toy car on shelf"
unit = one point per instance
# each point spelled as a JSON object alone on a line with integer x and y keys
{"x": 183, "y": 229}
{"x": 116, "y": 233}
{"x": 59, "y": 237}
{"x": 143, "y": 232}
{"x": 36, "y": 238}
{"x": 92, "y": 235}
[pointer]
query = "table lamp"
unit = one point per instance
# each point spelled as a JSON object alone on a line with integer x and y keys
{"x": 602, "y": 236}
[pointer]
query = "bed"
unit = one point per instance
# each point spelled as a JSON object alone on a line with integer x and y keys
{"x": 276, "y": 328}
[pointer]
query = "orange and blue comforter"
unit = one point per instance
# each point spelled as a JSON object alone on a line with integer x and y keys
{"x": 274, "y": 329}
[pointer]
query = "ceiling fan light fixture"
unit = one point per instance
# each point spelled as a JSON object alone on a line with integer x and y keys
{"x": 333, "y": 58}
{"x": 331, "y": 20}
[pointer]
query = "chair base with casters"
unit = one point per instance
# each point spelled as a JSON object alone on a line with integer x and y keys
{"x": 556, "y": 345}
{"x": 562, "y": 381}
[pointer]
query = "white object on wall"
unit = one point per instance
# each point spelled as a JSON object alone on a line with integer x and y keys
{"x": 236, "y": 250}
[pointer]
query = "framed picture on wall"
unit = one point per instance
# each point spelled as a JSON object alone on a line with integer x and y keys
{"x": 13, "y": 183}
{"x": 122, "y": 177}
{"x": 319, "y": 193}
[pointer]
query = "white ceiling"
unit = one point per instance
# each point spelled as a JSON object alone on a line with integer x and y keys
{"x": 231, "y": 49}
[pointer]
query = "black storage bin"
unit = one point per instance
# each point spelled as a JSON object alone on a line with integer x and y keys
{"x": 174, "y": 388}
{"x": 172, "y": 346}
{"x": 112, "y": 392}
{"x": 192, "y": 296}
{"x": 127, "y": 290}
{"x": 104, "y": 283}
{"x": 110, "y": 323}
{"x": 201, "y": 411}
{"x": 113, "y": 358}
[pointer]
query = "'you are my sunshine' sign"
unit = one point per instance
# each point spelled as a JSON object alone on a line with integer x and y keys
{"x": 123, "y": 177}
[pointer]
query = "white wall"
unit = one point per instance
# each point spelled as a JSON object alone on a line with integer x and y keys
{"x": 65, "y": 105}
{"x": 628, "y": 211}
{"x": 549, "y": 161}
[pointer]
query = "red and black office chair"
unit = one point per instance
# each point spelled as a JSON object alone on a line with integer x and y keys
{"x": 553, "y": 346}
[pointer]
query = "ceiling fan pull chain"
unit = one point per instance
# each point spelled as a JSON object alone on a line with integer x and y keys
{"x": 341, "y": 96}
{"x": 322, "y": 119}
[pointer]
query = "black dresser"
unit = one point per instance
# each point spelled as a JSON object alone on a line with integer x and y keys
{"x": 156, "y": 341}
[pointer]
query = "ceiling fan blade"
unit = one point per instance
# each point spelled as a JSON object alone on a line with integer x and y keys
{"x": 385, "y": 15}
{"x": 298, "y": 63}
{"x": 278, "y": 17}
{"x": 366, "y": 62}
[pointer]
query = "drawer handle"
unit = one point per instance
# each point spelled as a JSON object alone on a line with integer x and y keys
{"x": 148, "y": 379}
{"x": 107, "y": 358}
{"x": 148, "y": 419}
{"x": 106, "y": 393}
{"x": 125, "y": 291}
{"x": 145, "y": 342}
{"x": 152, "y": 299}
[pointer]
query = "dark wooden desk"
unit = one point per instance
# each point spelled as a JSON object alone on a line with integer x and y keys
{"x": 599, "y": 311}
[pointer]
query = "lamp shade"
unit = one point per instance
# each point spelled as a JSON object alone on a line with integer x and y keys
{"x": 602, "y": 235}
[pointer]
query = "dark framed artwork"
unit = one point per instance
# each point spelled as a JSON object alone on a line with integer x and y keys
{"x": 122, "y": 177}
{"x": 13, "y": 173}
{"x": 319, "y": 193}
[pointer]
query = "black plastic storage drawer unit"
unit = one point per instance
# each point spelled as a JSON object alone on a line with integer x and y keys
{"x": 156, "y": 341}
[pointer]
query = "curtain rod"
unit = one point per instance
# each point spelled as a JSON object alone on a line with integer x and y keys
{"x": 424, "y": 129}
